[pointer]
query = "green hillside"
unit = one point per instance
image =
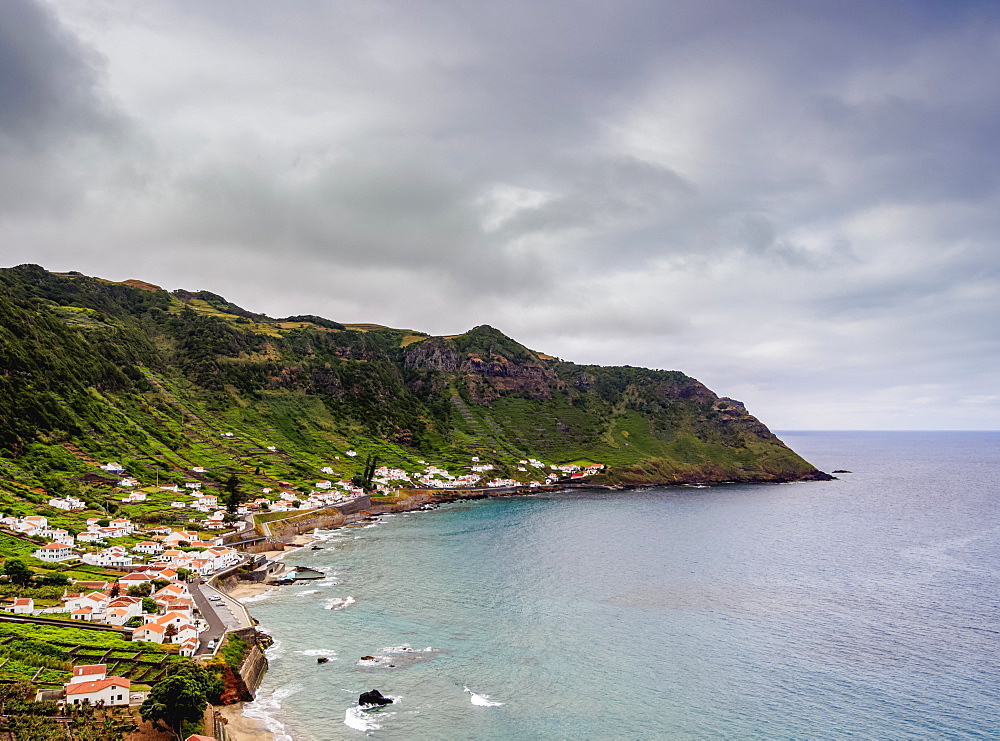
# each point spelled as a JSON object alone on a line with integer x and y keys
{"x": 161, "y": 382}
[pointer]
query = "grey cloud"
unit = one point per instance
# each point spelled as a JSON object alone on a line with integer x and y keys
{"x": 795, "y": 200}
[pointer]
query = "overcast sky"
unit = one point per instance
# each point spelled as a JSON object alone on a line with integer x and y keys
{"x": 794, "y": 202}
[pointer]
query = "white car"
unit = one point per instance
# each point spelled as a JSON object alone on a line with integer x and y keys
{"x": 215, "y": 598}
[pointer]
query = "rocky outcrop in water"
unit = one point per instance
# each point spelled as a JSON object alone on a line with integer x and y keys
{"x": 373, "y": 697}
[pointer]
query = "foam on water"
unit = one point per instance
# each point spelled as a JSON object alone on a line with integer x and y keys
{"x": 482, "y": 701}
{"x": 259, "y": 597}
{"x": 328, "y": 652}
{"x": 308, "y": 591}
{"x": 375, "y": 661}
{"x": 266, "y": 707}
{"x": 406, "y": 649}
{"x": 366, "y": 718}
{"x": 339, "y": 603}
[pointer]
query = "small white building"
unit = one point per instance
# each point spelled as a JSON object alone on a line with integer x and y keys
{"x": 149, "y": 547}
{"x": 109, "y": 691}
{"x": 22, "y": 606}
{"x": 53, "y": 552}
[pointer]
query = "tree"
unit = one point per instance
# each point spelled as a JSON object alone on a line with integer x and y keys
{"x": 140, "y": 590}
{"x": 53, "y": 580}
{"x": 175, "y": 701}
{"x": 149, "y": 606}
{"x": 18, "y": 572}
{"x": 364, "y": 481}
{"x": 115, "y": 590}
{"x": 233, "y": 496}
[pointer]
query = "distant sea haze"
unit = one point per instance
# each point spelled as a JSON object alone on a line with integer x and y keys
{"x": 859, "y": 608}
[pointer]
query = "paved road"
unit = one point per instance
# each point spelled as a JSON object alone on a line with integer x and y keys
{"x": 216, "y": 626}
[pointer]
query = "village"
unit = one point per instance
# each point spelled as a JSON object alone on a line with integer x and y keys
{"x": 158, "y": 584}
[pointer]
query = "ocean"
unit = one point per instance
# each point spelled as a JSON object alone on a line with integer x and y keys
{"x": 866, "y": 607}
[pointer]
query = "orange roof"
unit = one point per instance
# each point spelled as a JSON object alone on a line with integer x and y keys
{"x": 86, "y": 687}
{"x": 85, "y": 669}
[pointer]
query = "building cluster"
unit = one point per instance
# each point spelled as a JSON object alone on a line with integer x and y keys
{"x": 169, "y": 618}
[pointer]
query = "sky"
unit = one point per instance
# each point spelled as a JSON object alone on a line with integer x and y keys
{"x": 794, "y": 202}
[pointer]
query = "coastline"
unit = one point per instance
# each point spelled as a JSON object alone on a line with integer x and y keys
{"x": 241, "y": 727}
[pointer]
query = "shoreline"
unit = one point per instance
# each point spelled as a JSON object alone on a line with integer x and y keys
{"x": 240, "y": 727}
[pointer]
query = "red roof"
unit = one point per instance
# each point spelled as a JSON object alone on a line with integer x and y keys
{"x": 85, "y": 669}
{"x": 81, "y": 688}
{"x": 23, "y": 601}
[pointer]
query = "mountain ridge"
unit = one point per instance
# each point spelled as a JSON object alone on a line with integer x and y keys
{"x": 122, "y": 369}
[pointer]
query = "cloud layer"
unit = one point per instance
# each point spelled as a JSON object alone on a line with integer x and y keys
{"x": 796, "y": 203}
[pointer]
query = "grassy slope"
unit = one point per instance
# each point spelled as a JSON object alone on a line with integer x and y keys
{"x": 154, "y": 380}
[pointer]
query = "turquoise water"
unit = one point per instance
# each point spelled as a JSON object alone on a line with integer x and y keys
{"x": 864, "y": 607}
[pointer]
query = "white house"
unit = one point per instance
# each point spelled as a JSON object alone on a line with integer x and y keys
{"x": 31, "y": 524}
{"x": 109, "y": 691}
{"x": 22, "y": 606}
{"x": 198, "y": 469}
{"x": 149, "y": 547}
{"x": 113, "y": 467}
{"x": 123, "y": 524}
{"x": 151, "y": 632}
{"x": 136, "y": 496}
{"x": 52, "y": 552}
{"x": 69, "y": 504}
{"x": 95, "y": 601}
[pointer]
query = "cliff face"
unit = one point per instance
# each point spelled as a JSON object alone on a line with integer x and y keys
{"x": 78, "y": 353}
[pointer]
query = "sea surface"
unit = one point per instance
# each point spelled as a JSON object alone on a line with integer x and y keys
{"x": 867, "y": 607}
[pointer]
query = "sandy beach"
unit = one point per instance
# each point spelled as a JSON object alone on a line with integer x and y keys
{"x": 241, "y": 728}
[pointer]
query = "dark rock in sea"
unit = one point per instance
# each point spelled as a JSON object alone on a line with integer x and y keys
{"x": 374, "y": 697}
{"x": 368, "y": 658}
{"x": 841, "y": 470}
{"x": 322, "y": 660}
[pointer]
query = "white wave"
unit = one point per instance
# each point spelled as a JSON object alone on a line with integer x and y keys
{"x": 339, "y": 603}
{"x": 258, "y": 597}
{"x": 407, "y": 649}
{"x": 360, "y": 719}
{"x": 308, "y": 591}
{"x": 266, "y": 707}
{"x": 328, "y": 652}
{"x": 482, "y": 701}
{"x": 329, "y": 582}
{"x": 375, "y": 661}
{"x": 275, "y": 651}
